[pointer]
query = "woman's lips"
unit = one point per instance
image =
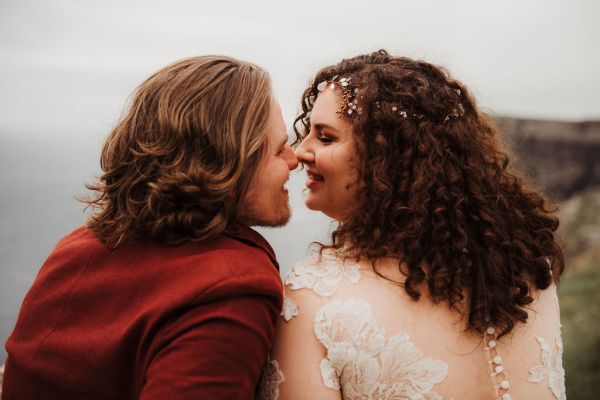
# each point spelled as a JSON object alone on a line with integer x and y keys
{"x": 313, "y": 179}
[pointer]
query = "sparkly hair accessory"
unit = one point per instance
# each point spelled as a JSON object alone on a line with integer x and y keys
{"x": 349, "y": 104}
{"x": 456, "y": 112}
{"x": 402, "y": 112}
{"x": 350, "y": 107}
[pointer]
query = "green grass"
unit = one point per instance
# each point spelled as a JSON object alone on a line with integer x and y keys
{"x": 579, "y": 293}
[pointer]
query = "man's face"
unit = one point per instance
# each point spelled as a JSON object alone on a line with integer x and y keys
{"x": 266, "y": 203}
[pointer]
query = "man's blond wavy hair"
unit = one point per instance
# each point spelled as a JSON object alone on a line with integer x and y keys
{"x": 178, "y": 163}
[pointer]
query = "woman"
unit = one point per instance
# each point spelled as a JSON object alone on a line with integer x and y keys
{"x": 439, "y": 278}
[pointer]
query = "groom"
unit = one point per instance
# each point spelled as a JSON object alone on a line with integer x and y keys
{"x": 167, "y": 293}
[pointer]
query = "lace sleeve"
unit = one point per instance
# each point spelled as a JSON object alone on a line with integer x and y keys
{"x": 292, "y": 371}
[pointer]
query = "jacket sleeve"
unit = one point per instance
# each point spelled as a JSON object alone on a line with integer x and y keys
{"x": 215, "y": 350}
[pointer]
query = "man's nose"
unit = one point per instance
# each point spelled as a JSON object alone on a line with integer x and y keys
{"x": 292, "y": 159}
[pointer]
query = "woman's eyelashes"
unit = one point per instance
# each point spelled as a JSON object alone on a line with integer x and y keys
{"x": 325, "y": 139}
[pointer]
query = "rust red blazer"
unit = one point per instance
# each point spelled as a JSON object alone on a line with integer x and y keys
{"x": 146, "y": 321}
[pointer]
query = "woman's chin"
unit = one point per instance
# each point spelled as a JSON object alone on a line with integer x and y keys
{"x": 327, "y": 213}
{"x": 311, "y": 204}
{"x": 316, "y": 205}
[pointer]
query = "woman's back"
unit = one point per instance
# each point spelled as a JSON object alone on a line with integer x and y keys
{"x": 398, "y": 153}
{"x": 352, "y": 334}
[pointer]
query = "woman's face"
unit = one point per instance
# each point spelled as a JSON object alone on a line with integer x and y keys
{"x": 329, "y": 155}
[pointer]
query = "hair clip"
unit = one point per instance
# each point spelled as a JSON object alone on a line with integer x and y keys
{"x": 349, "y": 104}
{"x": 457, "y": 112}
{"x": 403, "y": 113}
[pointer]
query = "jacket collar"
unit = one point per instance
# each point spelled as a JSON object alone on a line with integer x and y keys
{"x": 247, "y": 235}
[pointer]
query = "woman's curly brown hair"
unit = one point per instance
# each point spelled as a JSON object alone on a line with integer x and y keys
{"x": 176, "y": 166}
{"x": 435, "y": 189}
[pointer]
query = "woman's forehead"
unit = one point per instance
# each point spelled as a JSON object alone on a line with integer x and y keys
{"x": 326, "y": 109}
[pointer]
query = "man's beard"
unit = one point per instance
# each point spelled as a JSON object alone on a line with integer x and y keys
{"x": 258, "y": 217}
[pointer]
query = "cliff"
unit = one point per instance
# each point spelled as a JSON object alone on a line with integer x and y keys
{"x": 561, "y": 157}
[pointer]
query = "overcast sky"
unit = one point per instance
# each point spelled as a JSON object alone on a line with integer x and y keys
{"x": 67, "y": 67}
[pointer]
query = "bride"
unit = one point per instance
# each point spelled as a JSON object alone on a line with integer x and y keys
{"x": 439, "y": 280}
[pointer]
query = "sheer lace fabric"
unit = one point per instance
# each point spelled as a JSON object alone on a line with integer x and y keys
{"x": 376, "y": 346}
{"x": 552, "y": 370}
{"x": 364, "y": 364}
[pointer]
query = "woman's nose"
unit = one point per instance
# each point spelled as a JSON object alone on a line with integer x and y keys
{"x": 304, "y": 153}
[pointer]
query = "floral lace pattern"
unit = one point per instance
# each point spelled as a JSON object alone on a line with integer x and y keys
{"x": 289, "y": 309}
{"x": 555, "y": 373}
{"x": 322, "y": 276}
{"x": 361, "y": 362}
{"x": 272, "y": 377}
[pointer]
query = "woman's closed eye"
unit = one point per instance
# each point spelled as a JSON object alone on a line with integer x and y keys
{"x": 324, "y": 138}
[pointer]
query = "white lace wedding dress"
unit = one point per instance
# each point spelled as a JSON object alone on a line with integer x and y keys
{"x": 347, "y": 333}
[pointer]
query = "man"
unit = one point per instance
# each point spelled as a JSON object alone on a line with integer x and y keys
{"x": 167, "y": 293}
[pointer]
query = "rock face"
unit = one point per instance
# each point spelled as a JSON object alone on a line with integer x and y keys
{"x": 561, "y": 157}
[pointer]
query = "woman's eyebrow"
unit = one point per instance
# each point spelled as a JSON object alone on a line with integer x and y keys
{"x": 321, "y": 126}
